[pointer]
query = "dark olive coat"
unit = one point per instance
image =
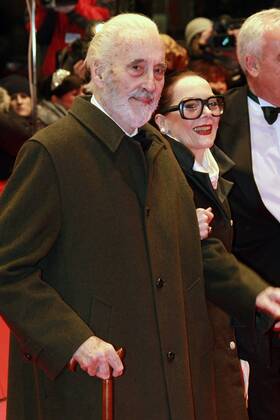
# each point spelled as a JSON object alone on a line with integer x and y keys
{"x": 91, "y": 244}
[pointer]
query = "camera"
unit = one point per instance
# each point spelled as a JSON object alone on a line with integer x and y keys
{"x": 221, "y": 37}
{"x": 222, "y": 41}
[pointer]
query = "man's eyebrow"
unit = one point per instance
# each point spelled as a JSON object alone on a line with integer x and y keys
{"x": 163, "y": 65}
{"x": 142, "y": 60}
{"x": 137, "y": 61}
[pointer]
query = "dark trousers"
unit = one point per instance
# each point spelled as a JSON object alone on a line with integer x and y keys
{"x": 264, "y": 387}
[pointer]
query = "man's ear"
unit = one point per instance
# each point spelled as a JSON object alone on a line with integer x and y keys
{"x": 161, "y": 123}
{"x": 97, "y": 74}
{"x": 252, "y": 65}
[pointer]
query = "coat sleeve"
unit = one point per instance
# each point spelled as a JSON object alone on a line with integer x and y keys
{"x": 47, "y": 329}
{"x": 230, "y": 284}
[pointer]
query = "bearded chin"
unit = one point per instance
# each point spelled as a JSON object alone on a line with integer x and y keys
{"x": 142, "y": 115}
{"x": 122, "y": 110}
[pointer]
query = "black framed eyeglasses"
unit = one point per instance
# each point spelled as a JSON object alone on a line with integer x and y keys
{"x": 191, "y": 109}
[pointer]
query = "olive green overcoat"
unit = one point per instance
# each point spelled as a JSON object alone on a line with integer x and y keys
{"x": 97, "y": 240}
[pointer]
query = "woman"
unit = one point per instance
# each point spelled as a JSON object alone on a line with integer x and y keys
{"x": 188, "y": 115}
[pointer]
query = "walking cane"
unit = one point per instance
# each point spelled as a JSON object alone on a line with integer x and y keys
{"x": 107, "y": 393}
{"x": 107, "y": 389}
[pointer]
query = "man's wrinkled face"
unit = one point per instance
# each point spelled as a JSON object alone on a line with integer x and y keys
{"x": 21, "y": 104}
{"x": 267, "y": 80}
{"x": 134, "y": 82}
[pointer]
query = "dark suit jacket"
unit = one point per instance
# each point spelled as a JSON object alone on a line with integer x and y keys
{"x": 229, "y": 384}
{"x": 256, "y": 231}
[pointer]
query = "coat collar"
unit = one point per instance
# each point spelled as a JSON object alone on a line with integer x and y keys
{"x": 186, "y": 158}
{"x": 97, "y": 122}
{"x": 107, "y": 130}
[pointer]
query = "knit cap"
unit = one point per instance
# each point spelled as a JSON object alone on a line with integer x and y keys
{"x": 196, "y": 26}
{"x": 15, "y": 83}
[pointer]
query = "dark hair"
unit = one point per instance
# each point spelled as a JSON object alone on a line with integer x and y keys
{"x": 171, "y": 79}
{"x": 69, "y": 83}
{"x": 209, "y": 70}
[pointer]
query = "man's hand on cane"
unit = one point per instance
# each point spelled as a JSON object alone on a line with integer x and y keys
{"x": 97, "y": 358}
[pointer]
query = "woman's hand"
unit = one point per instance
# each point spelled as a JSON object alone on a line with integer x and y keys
{"x": 204, "y": 218}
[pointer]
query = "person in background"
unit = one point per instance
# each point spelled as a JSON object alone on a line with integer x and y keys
{"x": 197, "y": 33}
{"x": 59, "y": 24}
{"x": 5, "y": 100}
{"x": 214, "y": 73}
{"x": 72, "y": 57}
{"x": 176, "y": 55}
{"x": 249, "y": 133}
{"x": 16, "y": 121}
{"x": 18, "y": 89}
{"x": 21, "y": 104}
{"x": 215, "y": 42}
{"x": 59, "y": 92}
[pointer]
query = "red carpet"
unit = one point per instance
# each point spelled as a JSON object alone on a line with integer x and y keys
{"x": 4, "y": 340}
{"x": 2, "y": 410}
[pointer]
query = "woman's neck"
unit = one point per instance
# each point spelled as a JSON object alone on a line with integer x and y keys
{"x": 199, "y": 155}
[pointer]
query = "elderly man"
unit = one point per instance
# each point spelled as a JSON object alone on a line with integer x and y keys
{"x": 250, "y": 135}
{"x": 100, "y": 248}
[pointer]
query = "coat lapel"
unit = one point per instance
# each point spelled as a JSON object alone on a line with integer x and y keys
{"x": 201, "y": 180}
{"x": 127, "y": 154}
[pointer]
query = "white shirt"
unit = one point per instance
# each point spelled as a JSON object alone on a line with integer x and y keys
{"x": 265, "y": 147}
{"x": 210, "y": 166}
{"x": 97, "y": 104}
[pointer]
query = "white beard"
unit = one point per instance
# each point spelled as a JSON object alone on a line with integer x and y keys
{"x": 127, "y": 111}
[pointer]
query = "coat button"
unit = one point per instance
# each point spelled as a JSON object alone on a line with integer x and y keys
{"x": 232, "y": 345}
{"x": 28, "y": 356}
{"x": 170, "y": 356}
{"x": 159, "y": 283}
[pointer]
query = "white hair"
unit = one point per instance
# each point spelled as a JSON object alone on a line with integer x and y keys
{"x": 250, "y": 37}
{"x": 5, "y": 100}
{"x": 106, "y": 43}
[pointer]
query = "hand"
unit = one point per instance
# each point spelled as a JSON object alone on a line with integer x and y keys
{"x": 96, "y": 357}
{"x": 204, "y": 218}
{"x": 268, "y": 301}
{"x": 205, "y": 35}
{"x": 79, "y": 69}
{"x": 245, "y": 368}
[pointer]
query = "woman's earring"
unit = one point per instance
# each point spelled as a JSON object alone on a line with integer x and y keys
{"x": 162, "y": 130}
